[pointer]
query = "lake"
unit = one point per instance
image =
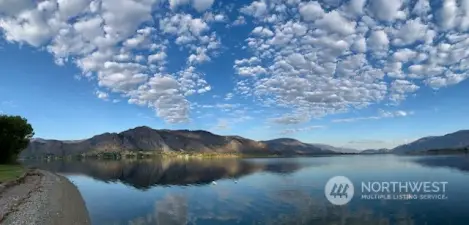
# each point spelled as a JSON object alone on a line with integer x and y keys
{"x": 265, "y": 191}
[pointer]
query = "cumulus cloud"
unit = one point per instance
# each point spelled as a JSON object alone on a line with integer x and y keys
{"x": 311, "y": 11}
{"x": 386, "y": 10}
{"x": 412, "y": 31}
{"x": 381, "y": 115}
{"x": 378, "y": 40}
{"x": 102, "y": 95}
{"x": 174, "y": 4}
{"x": 157, "y": 57}
{"x": 262, "y": 31}
{"x": 299, "y": 59}
{"x": 356, "y": 6}
{"x": 335, "y": 22}
{"x": 239, "y": 21}
{"x": 202, "y": 5}
{"x": 111, "y": 40}
{"x": 256, "y": 9}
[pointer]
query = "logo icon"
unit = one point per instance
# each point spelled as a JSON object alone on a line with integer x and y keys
{"x": 339, "y": 190}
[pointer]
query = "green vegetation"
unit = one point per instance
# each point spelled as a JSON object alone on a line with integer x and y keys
{"x": 127, "y": 154}
{"x": 15, "y": 132}
{"x": 137, "y": 155}
{"x": 10, "y": 172}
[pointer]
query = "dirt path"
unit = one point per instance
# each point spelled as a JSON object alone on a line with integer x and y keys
{"x": 42, "y": 198}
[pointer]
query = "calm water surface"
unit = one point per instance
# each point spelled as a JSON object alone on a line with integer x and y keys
{"x": 263, "y": 191}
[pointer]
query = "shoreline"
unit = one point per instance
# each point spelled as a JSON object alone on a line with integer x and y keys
{"x": 179, "y": 155}
{"x": 42, "y": 198}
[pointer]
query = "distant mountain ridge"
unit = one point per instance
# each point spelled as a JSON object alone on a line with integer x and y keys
{"x": 459, "y": 139}
{"x": 146, "y": 139}
{"x": 376, "y": 151}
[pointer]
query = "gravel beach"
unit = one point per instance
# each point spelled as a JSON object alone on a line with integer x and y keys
{"x": 42, "y": 198}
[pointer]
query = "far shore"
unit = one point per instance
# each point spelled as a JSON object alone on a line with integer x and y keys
{"x": 138, "y": 155}
{"x": 178, "y": 155}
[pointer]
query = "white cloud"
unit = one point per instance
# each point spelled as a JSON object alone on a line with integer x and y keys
{"x": 158, "y": 57}
{"x": 422, "y": 7}
{"x": 334, "y": 22}
{"x": 448, "y": 14}
{"x": 239, "y": 21}
{"x": 202, "y": 5}
{"x": 378, "y": 40}
{"x": 262, "y": 31}
{"x": 173, "y": 4}
{"x": 251, "y": 71}
{"x": 102, "y": 95}
{"x": 338, "y": 64}
{"x": 356, "y": 6}
{"x": 301, "y": 60}
{"x": 311, "y": 11}
{"x": 386, "y": 10}
{"x": 89, "y": 28}
{"x": 449, "y": 79}
{"x": 229, "y": 96}
{"x": 69, "y": 9}
{"x": 381, "y": 115}
{"x": 359, "y": 45}
{"x": 404, "y": 55}
{"x": 412, "y": 31}
{"x": 13, "y": 7}
{"x": 219, "y": 18}
{"x": 123, "y": 17}
{"x": 301, "y": 129}
{"x": 33, "y": 26}
{"x": 256, "y": 9}
{"x": 291, "y": 119}
{"x": 400, "y": 88}
{"x": 92, "y": 40}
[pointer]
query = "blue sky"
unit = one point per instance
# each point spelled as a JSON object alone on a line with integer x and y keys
{"x": 361, "y": 74}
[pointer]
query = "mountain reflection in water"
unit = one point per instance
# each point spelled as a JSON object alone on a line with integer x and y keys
{"x": 270, "y": 191}
{"x": 173, "y": 210}
{"x": 459, "y": 162}
{"x": 143, "y": 174}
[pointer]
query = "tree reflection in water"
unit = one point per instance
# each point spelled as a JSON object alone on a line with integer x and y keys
{"x": 228, "y": 206}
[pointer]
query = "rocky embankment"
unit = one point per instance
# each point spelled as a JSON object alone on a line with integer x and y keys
{"x": 41, "y": 198}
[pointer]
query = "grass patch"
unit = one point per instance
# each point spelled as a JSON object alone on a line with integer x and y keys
{"x": 10, "y": 172}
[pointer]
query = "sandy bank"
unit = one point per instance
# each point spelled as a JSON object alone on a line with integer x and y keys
{"x": 42, "y": 198}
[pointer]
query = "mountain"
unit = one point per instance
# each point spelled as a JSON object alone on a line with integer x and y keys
{"x": 147, "y": 139}
{"x": 336, "y": 149}
{"x": 376, "y": 151}
{"x": 297, "y": 147}
{"x": 291, "y": 146}
{"x": 459, "y": 139}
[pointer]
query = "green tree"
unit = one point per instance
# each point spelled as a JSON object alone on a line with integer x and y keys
{"x": 15, "y": 132}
